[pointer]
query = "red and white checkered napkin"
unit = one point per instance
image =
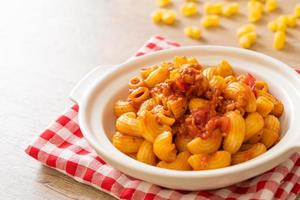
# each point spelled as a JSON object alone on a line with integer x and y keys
{"x": 62, "y": 147}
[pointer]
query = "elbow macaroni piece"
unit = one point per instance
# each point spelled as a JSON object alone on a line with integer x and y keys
{"x": 209, "y": 145}
{"x": 256, "y": 138}
{"x": 248, "y": 154}
{"x": 264, "y": 106}
{"x": 269, "y": 137}
{"x": 128, "y": 124}
{"x": 157, "y": 76}
{"x": 177, "y": 106}
{"x": 272, "y": 123}
{"x": 278, "y": 106}
{"x": 251, "y": 105}
{"x": 261, "y": 85}
{"x": 217, "y": 82}
{"x": 163, "y": 147}
{"x": 145, "y": 153}
{"x": 224, "y": 69}
{"x": 230, "y": 79}
{"x": 217, "y": 160}
{"x": 145, "y": 72}
{"x": 126, "y": 144}
{"x": 235, "y": 137}
{"x": 139, "y": 95}
{"x": 163, "y": 119}
{"x": 135, "y": 82}
{"x": 196, "y": 103}
{"x": 181, "y": 142}
{"x": 122, "y": 107}
{"x": 236, "y": 90}
{"x": 210, "y": 72}
{"x": 254, "y": 123}
{"x": 180, "y": 163}
{"x": 150, "y": 127}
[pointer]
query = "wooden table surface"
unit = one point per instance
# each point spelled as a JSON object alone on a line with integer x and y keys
{"x": 47, "y": 46}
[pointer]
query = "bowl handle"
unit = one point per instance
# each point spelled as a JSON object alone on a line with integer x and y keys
{"x": 80, "y": 88}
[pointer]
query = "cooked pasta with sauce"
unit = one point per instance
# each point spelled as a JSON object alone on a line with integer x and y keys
{"x": 181, "y": 115}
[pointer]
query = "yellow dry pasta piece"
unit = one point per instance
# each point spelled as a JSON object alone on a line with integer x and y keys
{"x": 264, "y": 106}
{"x": 163, "y": 147}
{"x": 252, "y": 152}
{"x": 247, "y": 40}
{"x": 169, "y": 17}
{"x": 128, "y": 124}
{"x": 126, "y": 144}
{"x": 209, "y": 145}
{"x": 162, "y": 3}
{"x": 213, "y": 8}
{"x": 231, "y": 9}
{"x": 297, "y": 10}
{"x": 272, "y": 26}
{"x": 210, "y": 21}
{"x": 145, "y": 153}
{"x": 292, "y": 21}
{"x": 156, "y": 16}
{"x": 180, "y": 163}
{"x": 254, "y": 16}
{"x": 192, "y": 32}
{"x": 245, "y": 29}
{"x": 235, "y": 137}
{"x": 269, "y": 137}
{"x": 189, "y": 9}
{"x": 216, "y": 160}
{"x": 271, "y": 5}
{"x": 279, "y": 40}
{"x": 254, "y": 123}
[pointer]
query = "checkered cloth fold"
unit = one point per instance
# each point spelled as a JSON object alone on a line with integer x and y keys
{"x": 62, "y": 147}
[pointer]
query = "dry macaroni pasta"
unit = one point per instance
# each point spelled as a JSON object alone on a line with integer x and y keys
{"x": 181, "y": 115}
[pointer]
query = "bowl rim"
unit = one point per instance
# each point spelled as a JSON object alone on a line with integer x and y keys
{"x": 153, "y": 170}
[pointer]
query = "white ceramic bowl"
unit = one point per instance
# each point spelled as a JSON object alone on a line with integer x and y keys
{"x": 100, "y": 89}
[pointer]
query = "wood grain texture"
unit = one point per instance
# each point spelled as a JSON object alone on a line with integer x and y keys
{"x": 47, "y": 46}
